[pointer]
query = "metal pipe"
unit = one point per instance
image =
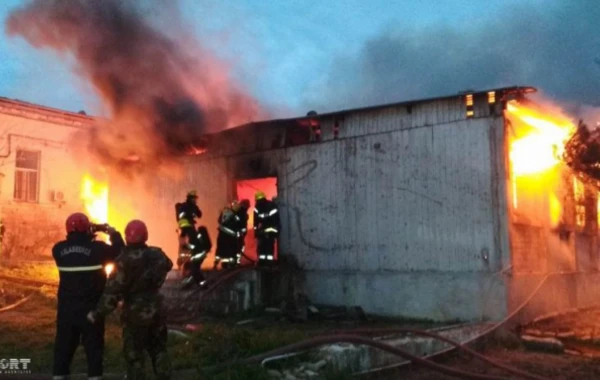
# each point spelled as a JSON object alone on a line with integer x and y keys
{"x": 11, "y": 135}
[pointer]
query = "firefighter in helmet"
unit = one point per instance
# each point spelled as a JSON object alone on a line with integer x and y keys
{"x": 266, "y": 228}
{"x": 81, "y": 261}
{"x": 230, "y": 233}
{"x": 187, "y": 213}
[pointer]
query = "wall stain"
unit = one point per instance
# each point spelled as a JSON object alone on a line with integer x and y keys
{"x": 312, "y": 166}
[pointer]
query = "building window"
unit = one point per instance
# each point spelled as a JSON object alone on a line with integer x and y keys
{"x": 27, "y": 177}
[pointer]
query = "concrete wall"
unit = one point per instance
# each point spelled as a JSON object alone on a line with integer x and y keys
{"x": 397, "y": 213}
{"x": 33, "y": 226}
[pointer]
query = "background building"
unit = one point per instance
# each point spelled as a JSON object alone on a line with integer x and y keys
{"x": 40, "y": 183}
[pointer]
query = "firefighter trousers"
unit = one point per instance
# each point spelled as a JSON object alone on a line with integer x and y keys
{"x": 195, "y": 266}
{"x": 266, "y": 249}
{"x": 72, "y": 329}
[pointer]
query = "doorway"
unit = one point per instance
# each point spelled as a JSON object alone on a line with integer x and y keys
{"x": 245, "y": 190}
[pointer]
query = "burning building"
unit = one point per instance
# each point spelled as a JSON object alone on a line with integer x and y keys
{"x": 448, "y": 208}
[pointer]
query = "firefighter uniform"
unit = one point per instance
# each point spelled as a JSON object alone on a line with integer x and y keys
{"x": 229, "y": 236}
{"x": 80, "y": 260}
{"x": 203, "y": 247}
{"x": 266, "y": 228}
{"x": 242, "y": 219}
{"x": 187, "y": 213}
{"x": 137, "y": 278}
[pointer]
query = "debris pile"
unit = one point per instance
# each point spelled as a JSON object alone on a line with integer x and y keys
{"x": 576, "y": 332}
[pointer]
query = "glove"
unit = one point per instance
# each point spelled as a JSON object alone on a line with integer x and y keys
{"x": 92, "y": 317}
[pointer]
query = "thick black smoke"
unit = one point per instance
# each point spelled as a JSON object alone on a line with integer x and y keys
{"x": 162, "y": 94}
{"x": 556, "y": 49}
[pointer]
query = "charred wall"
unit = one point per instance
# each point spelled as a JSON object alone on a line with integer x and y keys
{"x": 554, "y": 242}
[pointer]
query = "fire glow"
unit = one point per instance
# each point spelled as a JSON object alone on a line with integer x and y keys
{"x": 542, "y": 147}
{"x": 95, "y": 198}
{"x": 536, "y": 148}
{"x": 94, "y": 195}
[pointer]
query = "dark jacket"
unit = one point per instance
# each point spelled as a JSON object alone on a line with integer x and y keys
{"x": 242, "y": 220}
{"x": 80, "y": 260}
{"x": 139, "y": 273}
{"x": 266, "y": 217}
{"x": 187, "y": 213}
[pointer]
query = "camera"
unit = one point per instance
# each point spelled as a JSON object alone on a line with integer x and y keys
{"x": 95, "y": 228}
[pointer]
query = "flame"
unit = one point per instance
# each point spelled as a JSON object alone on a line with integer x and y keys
{"x": 536, "y": 148}
{"x": 109, "y": 268}
{"x": 542, "y": 147}
{"x": 555, "y": 210}
{"x": 95, "y": 199}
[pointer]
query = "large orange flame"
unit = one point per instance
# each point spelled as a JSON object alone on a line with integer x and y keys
{"x": 536, "y": 148}
{"x": 541, "y": 147}
{"x": 95, "y": 198}
{"x": 94, "y": 195}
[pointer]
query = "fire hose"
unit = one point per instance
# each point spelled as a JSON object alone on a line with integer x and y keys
{"x": 423, "y": 361}
{"x": 20, "y": 302}
{"x": 460, "y": 346}
{"x": 356, "y": 339}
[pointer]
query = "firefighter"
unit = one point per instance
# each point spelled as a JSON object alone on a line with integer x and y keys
{"x": 203, "y": 247}
{"x": 139, "y": 273}
{"x": 266, "y": 228}
{"x": 242, "y": 215}
{"x": 81, "y": 260}
{"x": 229, "y": 236}
{"x": 187, "y": 213}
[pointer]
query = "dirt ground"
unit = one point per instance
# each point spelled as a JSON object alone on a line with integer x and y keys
{"x": 28, "y": 331}
{"x": 550, "y": 366}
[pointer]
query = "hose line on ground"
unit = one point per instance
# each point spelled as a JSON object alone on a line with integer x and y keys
{"x": 20, "y": 302}
{"x": 491, "y": 329}
{"x": 356, "y": 339}
{"x": 460, "y": 346}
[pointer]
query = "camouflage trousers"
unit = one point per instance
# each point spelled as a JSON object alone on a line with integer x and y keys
{"x": 137, "y": 340}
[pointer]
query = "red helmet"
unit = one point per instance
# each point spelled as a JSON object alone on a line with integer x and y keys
{"x": 136, "y": 232}
{"x": 78, "y": 222}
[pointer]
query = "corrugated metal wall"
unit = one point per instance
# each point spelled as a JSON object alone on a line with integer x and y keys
{"x": 397, "y": 213}
{"x": 411, "y": 199}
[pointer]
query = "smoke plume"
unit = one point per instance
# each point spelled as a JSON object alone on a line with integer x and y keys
{"x": 161, "y": 93}
{"x": 555, "y": 48}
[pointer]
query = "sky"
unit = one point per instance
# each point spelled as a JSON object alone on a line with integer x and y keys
{"x": 298, "y": 55}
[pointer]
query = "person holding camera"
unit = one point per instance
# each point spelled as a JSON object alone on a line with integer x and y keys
{"x": 80, "y": 260}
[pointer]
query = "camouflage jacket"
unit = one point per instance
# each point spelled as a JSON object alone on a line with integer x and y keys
{"x": 136, "y": 279}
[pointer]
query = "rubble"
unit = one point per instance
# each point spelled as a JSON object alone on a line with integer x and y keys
{"x": 307, "y": 370}
{"x": 543, "y": 344}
